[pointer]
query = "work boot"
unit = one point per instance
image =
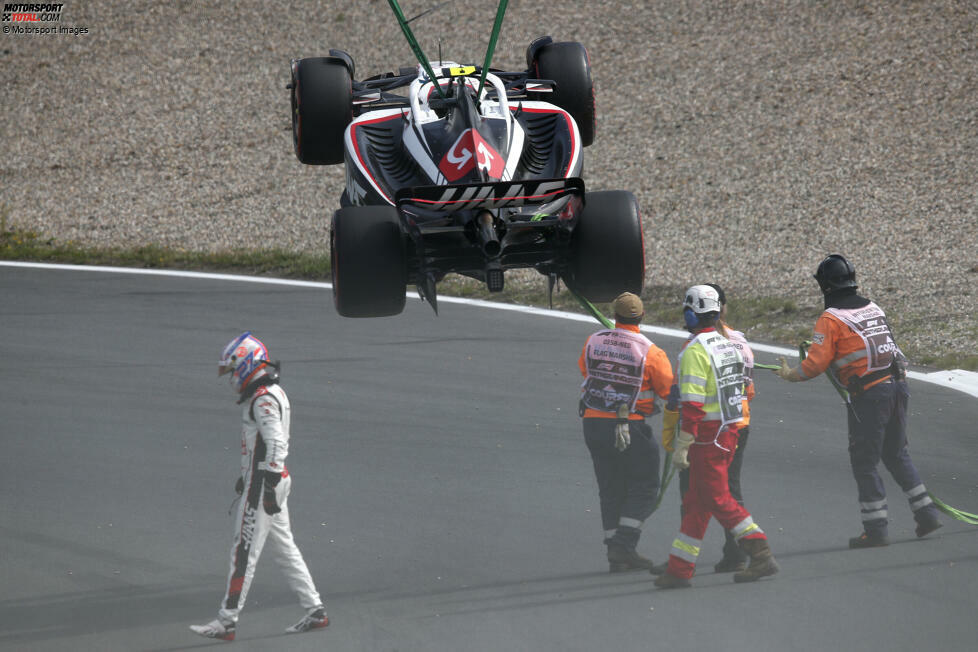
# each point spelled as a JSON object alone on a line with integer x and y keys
{"x": 733, "y": 559}
{"x": 869, "y": 540}
{"x": 762, "y": 561}
{"x": 622, "y": 559}
{"x": 670, "y": 581}
{"x": 926, "y": 525}
{"x": 730, "y": 565}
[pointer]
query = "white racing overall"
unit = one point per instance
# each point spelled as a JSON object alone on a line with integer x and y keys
{"x": 266, "y": 420}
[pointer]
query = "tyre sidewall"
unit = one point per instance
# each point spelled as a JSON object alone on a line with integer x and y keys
{"x": 569, "y": 65}
{"x": 368, "y": 262}
{"x": 322, "y": 107}
{"x": 608, "y": 247}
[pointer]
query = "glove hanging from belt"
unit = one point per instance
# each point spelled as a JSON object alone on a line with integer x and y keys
{"x": 670, "y": 419}
{"x": 680, "y": 458}
{"x": 622, "y": 436}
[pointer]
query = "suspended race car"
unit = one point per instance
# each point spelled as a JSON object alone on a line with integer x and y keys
{"x": 465, "y": 169}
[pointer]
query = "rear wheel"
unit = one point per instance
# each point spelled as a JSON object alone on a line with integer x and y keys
{"x": 607, "y": 247}
{"x": 369, "y": 262}
{"x": 322, "y": 107}
{"x": 568, "y": 64}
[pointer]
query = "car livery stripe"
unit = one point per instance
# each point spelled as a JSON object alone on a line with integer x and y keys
{"x": 361, "y": 163}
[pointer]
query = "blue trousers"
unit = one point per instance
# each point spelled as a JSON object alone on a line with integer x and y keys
{"x": 878, "y": 431}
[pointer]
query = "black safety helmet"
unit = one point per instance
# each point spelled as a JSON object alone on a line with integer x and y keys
{"x": 835, "y": 273}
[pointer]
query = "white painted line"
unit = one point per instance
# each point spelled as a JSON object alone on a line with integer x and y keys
{"x": 958, "y": 379}
{"x": 167, "y": 272}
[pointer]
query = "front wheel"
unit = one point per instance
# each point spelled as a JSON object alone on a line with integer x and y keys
{"x": 368, "y": 261}
{"x": 607, "y": 247}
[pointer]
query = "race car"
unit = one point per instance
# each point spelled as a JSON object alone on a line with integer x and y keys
{"x": 463, "y": 169}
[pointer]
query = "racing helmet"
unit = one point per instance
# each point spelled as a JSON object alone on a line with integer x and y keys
{"x": 245, "y": 358}
{"x": 701, "y": 302}
{"x": 835, "y": 273}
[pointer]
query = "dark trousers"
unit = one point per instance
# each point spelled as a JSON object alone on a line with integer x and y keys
{"x": 628, "y": 481}
{"x": 730, "y": 548}
{"x": 878, "y": 431}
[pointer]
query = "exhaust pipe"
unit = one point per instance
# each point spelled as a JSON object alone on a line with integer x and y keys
{"x": 487, "y": 235}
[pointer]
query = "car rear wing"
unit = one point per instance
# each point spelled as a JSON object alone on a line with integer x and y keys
{"x": 501, "y": 194}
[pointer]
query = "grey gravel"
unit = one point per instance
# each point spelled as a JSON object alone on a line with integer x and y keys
{"x": 757, "y": 136}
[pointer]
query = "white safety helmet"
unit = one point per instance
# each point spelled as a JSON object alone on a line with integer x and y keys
{"x": 702, "y": 299}
{"x": 245, "y": 358}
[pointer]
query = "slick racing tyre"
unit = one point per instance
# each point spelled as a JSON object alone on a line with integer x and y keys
{"x": 369, "y": 261}
{"x": 568, "y": 64}
{"x": 607, "y": 247}
{"x": 322, "y": 107}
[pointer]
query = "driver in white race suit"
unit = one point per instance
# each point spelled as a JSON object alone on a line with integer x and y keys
{"x": 263, "y": 486}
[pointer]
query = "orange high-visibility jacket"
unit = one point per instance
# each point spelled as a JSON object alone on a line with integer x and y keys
{"x": 838, "y": 348}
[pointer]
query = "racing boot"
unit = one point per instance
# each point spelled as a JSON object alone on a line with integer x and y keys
{"x": 215, "y": 629}
{"x": 315, "y": 619}
{"x": 622, "y": 558}
{"x": 762, "y": 561}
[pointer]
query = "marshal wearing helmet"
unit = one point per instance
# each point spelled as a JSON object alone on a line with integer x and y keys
{"x": 711, "y": 412}
{"x": 853, "y": 342}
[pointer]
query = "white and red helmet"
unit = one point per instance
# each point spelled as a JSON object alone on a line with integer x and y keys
{"x": 245, "y": 358}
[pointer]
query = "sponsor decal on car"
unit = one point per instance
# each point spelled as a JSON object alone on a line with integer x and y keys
{"x": 469, "y": 151}
{"x": 489, "y": 195}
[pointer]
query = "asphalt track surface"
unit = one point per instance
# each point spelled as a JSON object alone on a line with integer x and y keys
{"x": 443, "y": 496}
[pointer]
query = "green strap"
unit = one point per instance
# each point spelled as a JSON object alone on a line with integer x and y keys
{"x": 668, "y": 470}
{"x": 843, "y": 392}
{"x": 607, "y": 323}
{"x": 415, "y": 47}
{"x": 956, "y": 514}
{"x": 492, "y": 43}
